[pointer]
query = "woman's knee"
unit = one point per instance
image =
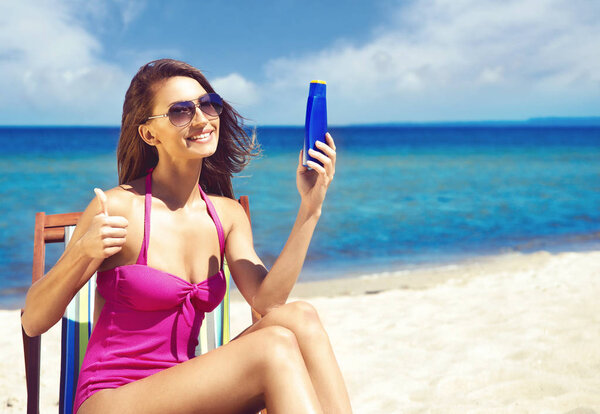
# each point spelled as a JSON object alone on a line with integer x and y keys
{"x": 279, "y": 347}
{"x": 305, "y": 309}
{"x": 279, "y": 353}
{"x": 304, "y": 319}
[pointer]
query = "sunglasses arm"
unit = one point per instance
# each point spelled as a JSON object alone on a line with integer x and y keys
{"x": 157, "y": 116}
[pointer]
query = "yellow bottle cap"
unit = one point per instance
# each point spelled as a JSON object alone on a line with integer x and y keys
{"x": 319, "y": 81}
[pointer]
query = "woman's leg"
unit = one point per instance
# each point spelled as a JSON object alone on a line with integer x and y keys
{"x": 303, "y": 320}
{"x": 263, "y": 368}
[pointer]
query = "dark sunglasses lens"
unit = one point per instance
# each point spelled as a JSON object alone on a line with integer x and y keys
{"x": 211, "y": 104}
{"x": 181, "y": 113}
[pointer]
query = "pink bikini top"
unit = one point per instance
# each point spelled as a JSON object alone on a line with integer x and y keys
{"x": 146, "y": 288}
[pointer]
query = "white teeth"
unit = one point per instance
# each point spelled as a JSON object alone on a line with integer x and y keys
{"x": 201, "y": 136}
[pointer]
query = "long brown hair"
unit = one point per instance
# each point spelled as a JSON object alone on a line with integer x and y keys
{"x": 135, "y": 157}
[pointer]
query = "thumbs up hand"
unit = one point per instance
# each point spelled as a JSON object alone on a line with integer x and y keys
{"x": 106, "y": 234}
{"x": 102, "y": 200}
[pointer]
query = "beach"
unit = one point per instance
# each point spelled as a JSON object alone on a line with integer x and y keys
{"x": 510, "y": 333}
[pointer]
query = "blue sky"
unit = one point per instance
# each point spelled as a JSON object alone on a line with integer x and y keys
{"x": 69, "y": 62}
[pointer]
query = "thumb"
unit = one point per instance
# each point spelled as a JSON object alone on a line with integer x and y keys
{"x": 301, "y": 167}
{"x": 102, "y": 200}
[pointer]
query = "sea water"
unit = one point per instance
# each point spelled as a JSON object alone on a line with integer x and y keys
{"x": 402, "y": 196}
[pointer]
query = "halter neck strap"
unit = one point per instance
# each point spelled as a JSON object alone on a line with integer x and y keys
{"x": 143, "y": 255}
{"x": 213, "y": 214}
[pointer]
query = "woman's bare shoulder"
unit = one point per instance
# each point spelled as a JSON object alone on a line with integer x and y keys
{"x": 123, "y": 198}
{"x": 225, "y": 204}
{"x": 229, "y": 210}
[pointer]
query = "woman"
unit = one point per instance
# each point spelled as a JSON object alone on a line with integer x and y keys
{"x": 158, "y": 241}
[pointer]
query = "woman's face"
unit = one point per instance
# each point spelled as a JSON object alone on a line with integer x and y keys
{"x": 198, "y": 139}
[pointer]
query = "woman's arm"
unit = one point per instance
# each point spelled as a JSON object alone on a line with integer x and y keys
{"x": 96, "y": 237}
{"x": 267, "y": 290}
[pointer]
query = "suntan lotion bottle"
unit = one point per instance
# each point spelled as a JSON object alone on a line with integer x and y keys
{"x": 315, "y": 126}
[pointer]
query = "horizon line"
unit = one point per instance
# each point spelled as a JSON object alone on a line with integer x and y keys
{"x": 535, "y": 121}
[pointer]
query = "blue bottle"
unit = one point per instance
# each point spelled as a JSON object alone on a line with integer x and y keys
{"x": 315, "y": 126}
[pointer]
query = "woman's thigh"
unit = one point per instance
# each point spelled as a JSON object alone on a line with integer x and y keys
{"x": 225, "y": 380}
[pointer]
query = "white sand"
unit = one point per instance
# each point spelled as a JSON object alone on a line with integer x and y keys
{"x": 507, "y": 334}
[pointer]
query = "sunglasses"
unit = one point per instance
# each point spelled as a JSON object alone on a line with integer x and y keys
{"x": 181, "y": 113}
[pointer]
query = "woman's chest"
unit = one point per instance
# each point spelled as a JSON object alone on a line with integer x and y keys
{"x": 184, "y": 244}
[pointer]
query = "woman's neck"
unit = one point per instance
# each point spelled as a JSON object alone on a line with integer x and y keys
{"x": 176, "y": 184}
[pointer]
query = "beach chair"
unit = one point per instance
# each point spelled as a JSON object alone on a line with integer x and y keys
{"x": 78, "y": 318}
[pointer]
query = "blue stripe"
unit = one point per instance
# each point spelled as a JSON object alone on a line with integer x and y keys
{"x": 63, "y": 369}
{"x": 75, "y": 369}
{"x": 69, "y": 365}
{"x": 90, "y": 310}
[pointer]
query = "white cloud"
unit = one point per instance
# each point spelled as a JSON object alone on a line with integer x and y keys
{"x": 101, "y": 12}
{"x": 237, "y": 90}
{"x": 433, "y": 56}
{"x": 491, "y": 75}
{"x": 130, "y": 9}
{"x": 431, "y": 60}
{"x": 50, "y": 62}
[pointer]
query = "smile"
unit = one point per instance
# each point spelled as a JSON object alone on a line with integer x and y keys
{"x": 202, "y": 137}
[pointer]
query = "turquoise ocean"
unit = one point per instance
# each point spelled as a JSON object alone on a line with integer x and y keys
{"x": 403, "y": 195}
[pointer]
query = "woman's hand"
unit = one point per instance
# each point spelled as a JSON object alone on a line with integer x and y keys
{"x": 312, "y": 184}
{"x": 106, "y": 234}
